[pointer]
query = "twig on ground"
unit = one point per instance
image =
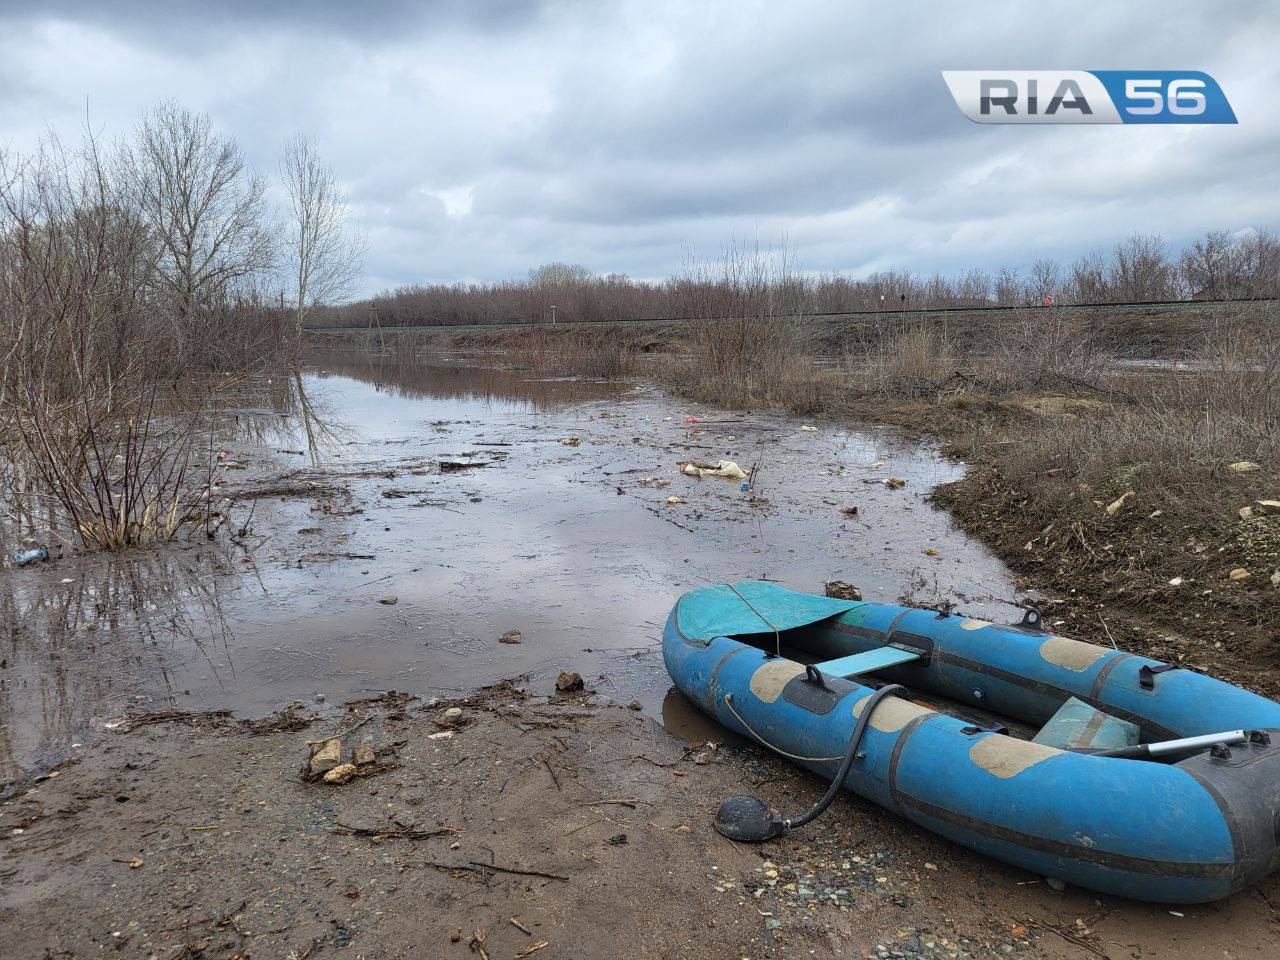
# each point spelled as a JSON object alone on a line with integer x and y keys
{"x": 478, "y": 866}
{"x": 391, "y": 833}
{"x": 344, "y": 733}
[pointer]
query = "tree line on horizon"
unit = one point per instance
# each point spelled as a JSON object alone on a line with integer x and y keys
{"x": 1139, "y": 269}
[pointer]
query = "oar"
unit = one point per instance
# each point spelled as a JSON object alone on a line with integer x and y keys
{"x": 1146, "y": 751}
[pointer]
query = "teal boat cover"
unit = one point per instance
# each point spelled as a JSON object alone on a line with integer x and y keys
{"x": 726, "y": 611}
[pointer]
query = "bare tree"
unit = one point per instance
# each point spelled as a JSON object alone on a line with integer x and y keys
{"x": 203, "y": 208}
{"x": 1008, "y": 288}
{"x": 1207, "y": 266}
{"x": 1045, "y": 281}
{"x": 1089, "y": 279}
{"x": 324, "y": 261}
{"x": 1257, "y": 264}
{"x": 1140, "y": 270}
{"x": 556, "y": 274}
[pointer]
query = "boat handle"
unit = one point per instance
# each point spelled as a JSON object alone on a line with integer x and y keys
{"x": 1032, "y": 619}
{"x": 814, "y": 676}
{"x": 975, "y": 728}
{"x": 1147, "y": 674}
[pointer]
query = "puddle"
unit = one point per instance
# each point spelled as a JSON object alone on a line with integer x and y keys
{"x": 568, "y": 545}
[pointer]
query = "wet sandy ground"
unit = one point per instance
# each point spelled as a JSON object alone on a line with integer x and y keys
{"x": 575, "y": 547}
{"x": 551, "y": 829}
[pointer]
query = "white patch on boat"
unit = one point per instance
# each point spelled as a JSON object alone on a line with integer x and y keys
{"x": 891, "y": 714}
{"x": 1007, "y": 757}
{"x": 971, "y": 624}
{"x": 1072, "y": 654}
{"x": 771, "y": 676}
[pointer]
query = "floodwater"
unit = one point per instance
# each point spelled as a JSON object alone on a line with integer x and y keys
{"x": 575, "y": 547}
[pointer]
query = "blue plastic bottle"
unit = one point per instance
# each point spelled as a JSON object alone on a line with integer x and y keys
{"x": 31, "y": 556}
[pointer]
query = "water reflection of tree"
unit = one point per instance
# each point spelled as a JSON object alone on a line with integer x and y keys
{"x": 75, "y": 651}
{"x": 278, "y": 411}
{"x": 418, "y": 379}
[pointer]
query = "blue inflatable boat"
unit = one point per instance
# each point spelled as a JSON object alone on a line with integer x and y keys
{"x": 1081, "y": 763}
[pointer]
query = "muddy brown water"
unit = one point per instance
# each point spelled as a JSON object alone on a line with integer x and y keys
{"x": 575, "y": 547}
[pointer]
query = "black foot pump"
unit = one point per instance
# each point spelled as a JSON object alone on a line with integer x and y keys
{"x": 749, "y": 818}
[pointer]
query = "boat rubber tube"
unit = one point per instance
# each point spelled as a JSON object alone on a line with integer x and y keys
{"x": 1184, "y": 832}
{"x": 749, "y": 818}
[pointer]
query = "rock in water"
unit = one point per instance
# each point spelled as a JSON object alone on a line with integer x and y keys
{"x": 511, "y": 636}
{"x": 569, "y": 681}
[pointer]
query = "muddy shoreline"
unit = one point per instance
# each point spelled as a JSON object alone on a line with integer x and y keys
{"x": 524, "y": 820}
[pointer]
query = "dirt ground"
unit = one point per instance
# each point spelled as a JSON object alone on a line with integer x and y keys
{"x": 528, "y": 826}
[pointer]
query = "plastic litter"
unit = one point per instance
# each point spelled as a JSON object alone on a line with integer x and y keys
{"x": 723, "y": 468}
{"x": 31, "y": 556}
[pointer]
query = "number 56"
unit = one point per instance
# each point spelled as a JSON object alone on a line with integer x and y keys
{"x": 1185, "y": 96}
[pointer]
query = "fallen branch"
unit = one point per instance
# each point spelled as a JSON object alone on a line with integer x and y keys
{"x": 622, "y": 803}
{"x": 391, "y": 833}
{"x": 479, "y": 866}
{"x": 350, "y": 730}
{"x": 134, "y": 720}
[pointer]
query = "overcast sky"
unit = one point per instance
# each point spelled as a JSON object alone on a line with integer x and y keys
{"x": 477, "y": 140}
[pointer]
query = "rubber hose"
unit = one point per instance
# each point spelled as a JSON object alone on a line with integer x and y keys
{"x": 859, "y": 729}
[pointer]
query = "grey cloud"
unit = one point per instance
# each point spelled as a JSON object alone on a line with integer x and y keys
{"x": 479, "y": 139}
{"x": 193, "y": 23}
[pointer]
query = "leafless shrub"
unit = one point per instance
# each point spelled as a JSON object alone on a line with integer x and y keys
{"x": 1176, "y": 429}
{"x": 123, "y": 274}
{"x": 1039, "y": 348}
{"x": 748, "y": 308}
{"x": 907, "y": 359}
{"x": 119, "y": 474}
